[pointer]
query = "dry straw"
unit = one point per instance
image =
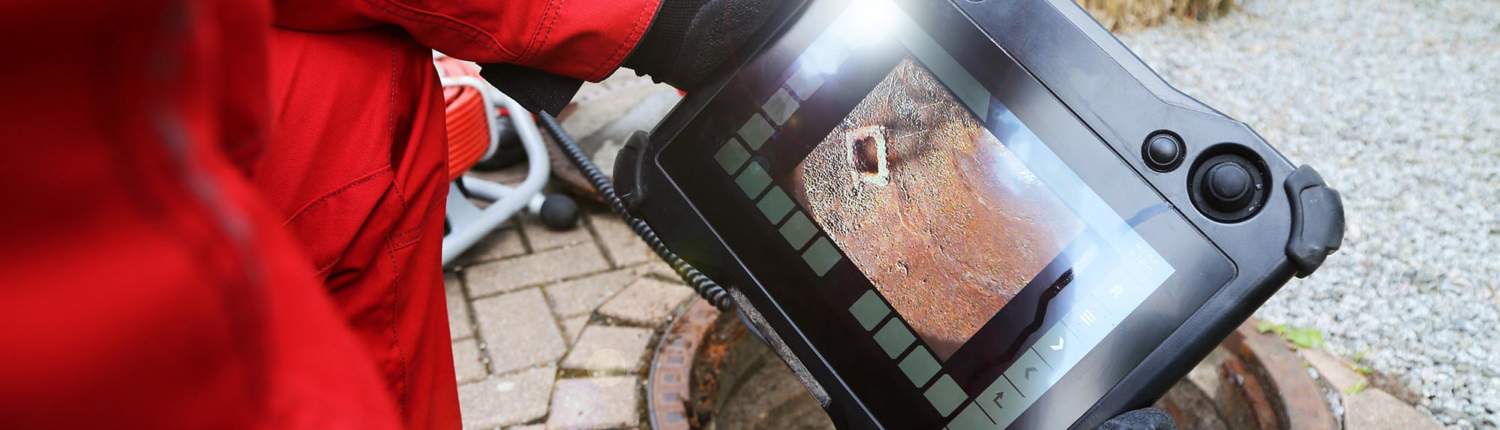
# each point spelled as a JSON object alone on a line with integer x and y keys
{"x": 1119, "y": 15}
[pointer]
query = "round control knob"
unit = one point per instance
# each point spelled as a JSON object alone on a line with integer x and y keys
{"x": 1162, "y": 152}
{"x": 1228, "y": 186}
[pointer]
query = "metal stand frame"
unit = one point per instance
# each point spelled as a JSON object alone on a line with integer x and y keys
{"x": 468, "y": 222}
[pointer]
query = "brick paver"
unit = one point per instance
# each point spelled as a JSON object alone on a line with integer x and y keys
{"x": 528, "y": 303}
{"x": 646, "y": 302}
{"x": 1378, "y": 410}
{"x": 572, "y": 327}
{"x": 622, "y": 244}
{"x": 542, "y": 238}
{"x": 605, "y": 348}
{"x": 533, "y": 269}
{"x": 1365, "y": 407}
{"x": 519, "y": 330}
{"x": 505, "y": 400}
{"x": 459, "y": 323}
{"x": 595, "y": 403}
{"x": 467, "y": 364}
{"x": 503, "y": 243}
{"x": 524, "y": 305}
{"x": 658, "y": 269}
{"x": 582, "y": 295}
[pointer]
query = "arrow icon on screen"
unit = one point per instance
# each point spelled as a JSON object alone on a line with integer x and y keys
{"x": 1058, "y": 346}
{"x": 1029, "y": 371}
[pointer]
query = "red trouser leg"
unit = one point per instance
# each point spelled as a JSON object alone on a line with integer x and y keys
{"x": 356, "y": 161}
{"x": 142, "y": 282}
{"x": 356, "y": 166}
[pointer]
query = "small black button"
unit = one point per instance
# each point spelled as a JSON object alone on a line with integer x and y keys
{"x": 1228, "y": 186}
{"x": 1162, "y": 152}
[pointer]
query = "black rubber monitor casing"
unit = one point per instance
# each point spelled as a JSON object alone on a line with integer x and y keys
{"x": 1295, "y": 223}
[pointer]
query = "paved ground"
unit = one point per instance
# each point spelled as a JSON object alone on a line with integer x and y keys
{"x": 552, "y": 329}
{"x": 1397, "y": 103}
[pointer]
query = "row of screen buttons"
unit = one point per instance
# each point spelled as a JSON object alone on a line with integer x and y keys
{"x": 917, "y": 363}
{"x": 872, "y": 313}
{"x": 1026, "y": 380}
{"x": 1055, "y": 352}
{"x": 755, "y": 182}
{"x": 736, "y": 158}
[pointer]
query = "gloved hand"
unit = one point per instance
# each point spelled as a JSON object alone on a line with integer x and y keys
{"x": 1141, "y": 419}
{"x": 687, "y": 40}
{"x": 690, "y": 38}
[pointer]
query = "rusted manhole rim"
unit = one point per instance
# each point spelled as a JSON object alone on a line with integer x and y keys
{"x": 667, "y": 388}
{"x": 1254, "y": 381}
{"x": 1288, "y": 393}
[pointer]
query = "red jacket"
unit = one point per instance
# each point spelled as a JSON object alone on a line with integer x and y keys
{"x": 582, "y": 39}
{"x": 144, "y": 282}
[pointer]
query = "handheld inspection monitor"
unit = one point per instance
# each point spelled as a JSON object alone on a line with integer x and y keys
{"x": 974, "y": 214}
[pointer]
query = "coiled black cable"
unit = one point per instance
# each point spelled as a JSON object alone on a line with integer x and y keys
{"x": 706, "y": 288}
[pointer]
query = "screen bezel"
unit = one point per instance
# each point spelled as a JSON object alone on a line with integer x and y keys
{"x": 1200, "y": 268}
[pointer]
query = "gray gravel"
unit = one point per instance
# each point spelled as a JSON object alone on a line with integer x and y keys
{"x": 1397, "y": 103}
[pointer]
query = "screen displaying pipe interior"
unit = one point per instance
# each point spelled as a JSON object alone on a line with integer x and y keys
{"x": 946, "y": 222}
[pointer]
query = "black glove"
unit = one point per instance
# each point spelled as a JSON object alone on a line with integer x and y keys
{"x": 690, "y": 38}
{"x": 534, "y": 89}
{"x": 1141, "y": 419}
{"x": 687, "y": 40}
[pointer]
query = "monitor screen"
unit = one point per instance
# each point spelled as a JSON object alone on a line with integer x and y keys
{"x": 941, "y": 197}
{"x": 945, "y": 221}
{"x": 937, "y": 224}
{"x": 945, "y": 201}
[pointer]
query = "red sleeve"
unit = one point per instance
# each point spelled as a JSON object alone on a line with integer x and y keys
{"x": 584, "y": 39}
{"x": 142, "y": 284}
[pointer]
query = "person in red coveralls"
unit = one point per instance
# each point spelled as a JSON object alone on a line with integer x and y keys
{"x": 355, "y": 162}
{"x": 228, "y": 213}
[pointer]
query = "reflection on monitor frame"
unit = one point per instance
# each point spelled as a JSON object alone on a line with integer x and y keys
{"x": 982, "y": 245}
{"x": 778, "y": 177}
{"x": 943, "y": 220}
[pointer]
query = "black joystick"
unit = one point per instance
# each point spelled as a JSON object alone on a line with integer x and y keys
{"x": 1228, "y": 186}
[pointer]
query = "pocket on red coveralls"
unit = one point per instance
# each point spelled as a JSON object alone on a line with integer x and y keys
{"x": 357, "y": 165}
